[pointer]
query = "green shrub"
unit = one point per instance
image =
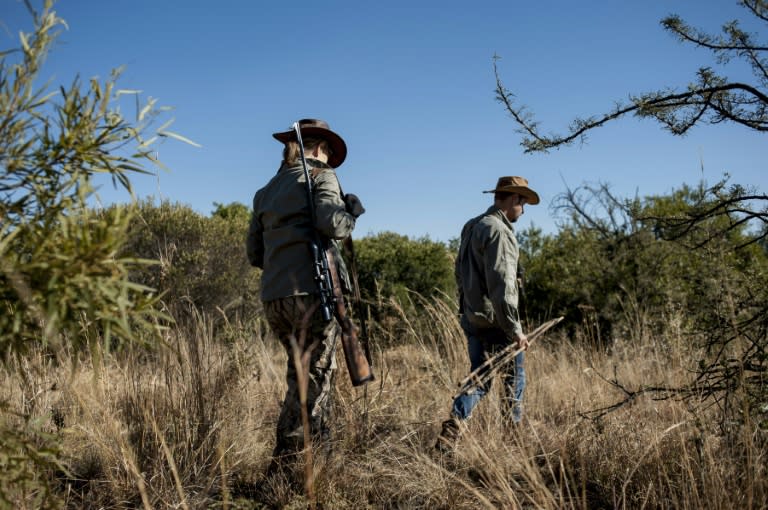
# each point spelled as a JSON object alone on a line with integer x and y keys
{"x": 29, "y": 460}
{"x": 63, "y": 286}
{"x": 60, "y": 279}
{"x": 614, "y": 270}
{"x": 202, "y": 259}
{"x": 391, "y": 264}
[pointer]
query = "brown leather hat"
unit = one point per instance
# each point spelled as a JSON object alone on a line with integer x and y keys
{"x": 515, "y": 184}
{"x": 316, "y": 128}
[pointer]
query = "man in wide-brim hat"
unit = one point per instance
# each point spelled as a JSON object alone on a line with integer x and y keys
{"x": 279, "y": 242}
{"x": 487, "y": 275}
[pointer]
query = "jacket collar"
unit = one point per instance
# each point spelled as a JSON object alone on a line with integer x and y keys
{"x": 495, "y": 211}
{"x": 316, "y": 163}
{"x": 311, "y": 163}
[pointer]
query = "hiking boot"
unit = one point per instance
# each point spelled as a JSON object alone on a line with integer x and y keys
{"x": 450, "y": 434}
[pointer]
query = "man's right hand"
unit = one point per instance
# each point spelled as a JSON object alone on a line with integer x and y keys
{"x": 522, "y": 341}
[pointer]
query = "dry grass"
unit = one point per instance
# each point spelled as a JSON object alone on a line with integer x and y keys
{"x": 191, "y": 425}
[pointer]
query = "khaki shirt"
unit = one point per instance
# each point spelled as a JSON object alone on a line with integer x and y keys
{"x": 486, "y": 273}
{"x": 280, "y": 230}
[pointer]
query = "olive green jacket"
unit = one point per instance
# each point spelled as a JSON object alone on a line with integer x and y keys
{"x": 280, "y": 231}
{"x": 486, "y": 273}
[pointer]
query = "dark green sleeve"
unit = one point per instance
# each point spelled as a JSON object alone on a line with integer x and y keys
{"x": 332, "y": 218}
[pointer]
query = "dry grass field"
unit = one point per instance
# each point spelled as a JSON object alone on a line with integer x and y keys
{"x": 191, "y": 425}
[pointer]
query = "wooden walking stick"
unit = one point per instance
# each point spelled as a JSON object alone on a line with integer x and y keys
{"x": 492, "y": 365}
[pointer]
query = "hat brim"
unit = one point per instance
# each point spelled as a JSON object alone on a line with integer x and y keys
{"x": 336, "y": 143}
{"x": 530, "y": 196}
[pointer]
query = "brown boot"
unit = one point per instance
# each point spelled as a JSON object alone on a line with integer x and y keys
{"x": 450, "y": 434}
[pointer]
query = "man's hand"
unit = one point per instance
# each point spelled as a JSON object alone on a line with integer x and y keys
{"x": 353, "y": 205}
{"x": 522, "y": 341}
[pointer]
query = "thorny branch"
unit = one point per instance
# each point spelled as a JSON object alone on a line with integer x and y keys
{"x": 713, "y": 98}
{"x": 629, "y": 396}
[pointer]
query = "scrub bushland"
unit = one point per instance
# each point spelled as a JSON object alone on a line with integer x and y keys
{"x": 190, "y": 424}
{"x": 135, "y": 383}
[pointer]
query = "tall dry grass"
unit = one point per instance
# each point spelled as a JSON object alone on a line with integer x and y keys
{"x": 191, "y": 425}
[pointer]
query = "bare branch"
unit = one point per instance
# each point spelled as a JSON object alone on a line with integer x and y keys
{"x": 713, "y": 99}
{"x": 757, "y": 7}
{"x": 676, "y": 25}
{"x": 655, "y": 106}
{"x": 630, "y": 396}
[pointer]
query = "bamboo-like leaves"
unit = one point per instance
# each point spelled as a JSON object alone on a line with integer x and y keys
{"x": 177, "y": 136}
{"x": 62, "y": 278}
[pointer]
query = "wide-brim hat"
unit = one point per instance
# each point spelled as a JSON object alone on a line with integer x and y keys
{"x": 516, "y": 184}
{"x": 316, "y": 128}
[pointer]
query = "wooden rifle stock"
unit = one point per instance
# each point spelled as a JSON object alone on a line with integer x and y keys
{"x": 357, "y": 305}
{"x": 357, "y": 364}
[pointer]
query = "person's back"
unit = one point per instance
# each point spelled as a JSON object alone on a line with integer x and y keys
{"x": 283, "y": 212}
{"x": 484, "y": 269}
{"x": 486, "y": 274}
{"x": 279, "y": 242}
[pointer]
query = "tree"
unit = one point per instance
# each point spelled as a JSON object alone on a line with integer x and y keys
{"x": 234, "y": 211}
{"x": 712, "y": 98}
{"x": 611, "y": 269}
{"x": 715, "y": 212}
{"x": 713, "y": 222}
{"x": 61, "y": 280}
{"x": 63, "y": 283}
{"x": 607, "y": 270}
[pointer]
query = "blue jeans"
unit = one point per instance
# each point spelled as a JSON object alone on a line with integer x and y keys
{"x": 482, "y": 344}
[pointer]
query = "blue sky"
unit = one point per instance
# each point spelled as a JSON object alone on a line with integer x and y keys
{"x": 410, "y": 87}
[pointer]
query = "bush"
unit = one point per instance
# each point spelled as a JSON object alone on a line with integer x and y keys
{"x": 63, "y": 288}
{"x": 202, "y": 259}
{"x": 29, "y": 457}
{"x": 60, "y": 281}
{"x": 614, "y": 268}
{"x": 391, "y": 264}
{"x": 655, "y": 268}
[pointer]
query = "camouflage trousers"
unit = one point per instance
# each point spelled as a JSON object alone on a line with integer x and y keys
{"x": 297, "y": 319}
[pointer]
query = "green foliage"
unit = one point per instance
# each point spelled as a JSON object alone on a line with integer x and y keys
{"x": 631, "y": 269}
{"x": 202, "y": 259}
{"x": 391, "y": 264}
{"x": 729, "y": 289}
{"x": 698, "y": 216}
{"x": 235, "y": 212}
{"x": 612, "y": 266}
{"x": 29, "y": 458}
{"x": 64, "y": 282}
{"x": 61, "y": 280}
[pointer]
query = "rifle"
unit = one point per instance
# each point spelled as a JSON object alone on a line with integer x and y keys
{"x": 329, "y": 285}
{"x": 360, "y": 311}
